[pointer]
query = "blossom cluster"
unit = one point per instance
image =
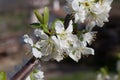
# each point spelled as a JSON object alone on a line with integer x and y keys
{"x": 91, "y": 12}
{"x": 58, "y": 41}
{"x": 63, "y": 43}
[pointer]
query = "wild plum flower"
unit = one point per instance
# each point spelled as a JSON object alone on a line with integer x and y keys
{"x": 79, "y": 11}
{"x": 64, "y": 35}
{"x": 49, "y": 48}
{"x": 88, "y": 37}
{"x": 37, "y": 53}
{"x": 78, "y": 49}
{"x": 70, "y": 43}
{"x": 93, "y": 12}
{"x": 39, "y": 75}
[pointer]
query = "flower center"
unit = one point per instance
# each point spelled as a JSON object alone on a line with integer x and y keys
{"x": 63, "y": 35}
{"x": 87, "y": 4}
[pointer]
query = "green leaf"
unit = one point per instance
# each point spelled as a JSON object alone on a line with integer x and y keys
{"x": 36, "y": 25}
{"x": 3, "y": 76}
{"x": 46, "y": 30}
{"x": 104, "y": 71}
{"x": 39, "y": 16}
{"x": 32, "y": 76}
{"x": 46, "y": 15}
{"x": 35, "y": 71}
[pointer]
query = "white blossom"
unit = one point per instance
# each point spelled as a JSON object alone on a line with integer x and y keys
{"x": 39, "y": 75}
{"x": 88, "y": 37}
{"x": 64, "y": 35}
{"x": 79, "y": 49}
{"x": 89, "y": 11}
{"x": 51, "y": 49}
{"x": 79, "y": 11}
{"x": 37, "y": 53}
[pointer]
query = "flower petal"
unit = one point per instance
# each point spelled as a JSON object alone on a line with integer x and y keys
{"x": 75, "y": 5}
{"x": 75, "y": 56}
{"x": 36, "y": 53}
{"x": 88, "y": 51}
{"x": 59, "y": 27}
{"x": 28, "y": 40}
{"x": 70, "y": 27}
{"x": 41, "y": 34}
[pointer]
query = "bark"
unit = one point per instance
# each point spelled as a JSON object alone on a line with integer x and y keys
{"x": 26, "y": 70}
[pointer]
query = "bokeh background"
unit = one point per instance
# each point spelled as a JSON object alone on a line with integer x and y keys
{"x": 15, "y": 19}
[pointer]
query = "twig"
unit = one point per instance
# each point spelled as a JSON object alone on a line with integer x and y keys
{"x": 26, "y": 70}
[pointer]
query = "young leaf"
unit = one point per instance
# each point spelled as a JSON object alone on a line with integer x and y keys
{"x": 104, "y": 71}
{"x": 46, "y": 15}
{"x": 46, "y": 30}
{"x": 3, "y": 76}
{"x": 39, "y": 16}
{"x": 32, "y": 76}
{"x": 36, "y": 25}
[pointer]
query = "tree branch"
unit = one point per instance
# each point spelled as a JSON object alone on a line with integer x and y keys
{"x": 26, "y": 70}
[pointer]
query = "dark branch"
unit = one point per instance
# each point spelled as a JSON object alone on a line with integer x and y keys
{"x": 26, "y": 70}
{"x": 67, "y": 19}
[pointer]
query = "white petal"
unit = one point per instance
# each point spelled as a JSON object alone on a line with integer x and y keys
{"x": 59, "y": 27}
{"x": 76, "y": 18}
{"x": 28, "y": 78}
{"x": 75, "y": 56}
{"x": 39, "y": 75}
{"x": 88, "y": 37}
{"x": 36, "y": 53}
{"x": 70, "y": 27}
{"x": 28, "y": 40}
{"x": 41, "y": 34}
{"x": 75, "y": 5}
{"x": 56, "y": 41}
{"x": 58, "y": 55}
{"x": 88, "y": 51}
{"x": 37, "y": 45}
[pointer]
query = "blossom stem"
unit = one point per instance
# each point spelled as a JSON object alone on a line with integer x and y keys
{"x": 26, "y": 70}
{"x": 67, "y": 19}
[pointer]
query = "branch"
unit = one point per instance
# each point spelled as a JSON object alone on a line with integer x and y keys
{"x": 26, "y": 70}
